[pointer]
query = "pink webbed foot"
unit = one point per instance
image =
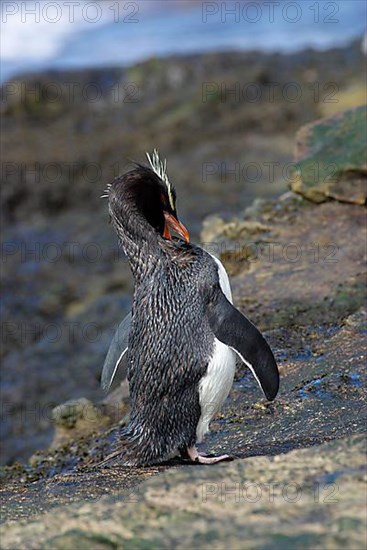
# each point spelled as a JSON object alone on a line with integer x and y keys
{"x": 195, "y": 456}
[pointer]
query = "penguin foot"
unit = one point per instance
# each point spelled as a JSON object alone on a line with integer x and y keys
{"x": 195, "y": 456}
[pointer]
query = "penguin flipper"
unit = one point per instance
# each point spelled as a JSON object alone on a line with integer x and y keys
{"x": 116, "y": 355}
{"x": 232, "y": 328}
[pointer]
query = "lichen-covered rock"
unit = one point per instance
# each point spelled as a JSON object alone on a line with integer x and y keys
{"x": 233, "y": 242}
{"x": 76, "y": 418}
{"x": 331, "y": 158}
{"x": 306, "y": 498}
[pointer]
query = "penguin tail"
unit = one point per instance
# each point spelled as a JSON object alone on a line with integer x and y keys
{"x": 121, "y": 455}
{"x": 125, "y": 452}
{"x": 112, "y": 459}
{"x": 134, "y": 448}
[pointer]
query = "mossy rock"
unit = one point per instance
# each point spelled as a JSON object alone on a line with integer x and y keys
{"x": 331, "y": 158}
{"x": 78, "y": 538}
{"x": 76, "y": 418}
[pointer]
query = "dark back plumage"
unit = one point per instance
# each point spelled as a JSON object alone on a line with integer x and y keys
{"x": 168, "y": 351}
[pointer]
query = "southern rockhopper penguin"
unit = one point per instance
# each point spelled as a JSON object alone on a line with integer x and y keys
{"x": 181, "y": 339}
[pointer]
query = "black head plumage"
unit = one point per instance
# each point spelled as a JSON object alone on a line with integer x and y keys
{"x": 140, "y": 192}
{"x": 142, "y": 202}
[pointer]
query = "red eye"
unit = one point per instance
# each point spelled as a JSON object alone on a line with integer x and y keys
{"x": 163, "y": 200}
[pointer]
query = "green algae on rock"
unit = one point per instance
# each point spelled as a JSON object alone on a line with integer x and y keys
{"x": 331, "y": 158}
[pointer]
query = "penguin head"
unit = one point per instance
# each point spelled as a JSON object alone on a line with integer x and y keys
{"x": 145, "y": 196}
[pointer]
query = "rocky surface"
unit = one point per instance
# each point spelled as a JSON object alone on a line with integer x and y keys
{"x": 309, "y": 498}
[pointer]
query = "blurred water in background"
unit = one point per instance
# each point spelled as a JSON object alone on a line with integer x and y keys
{"x": 61, "y": 35}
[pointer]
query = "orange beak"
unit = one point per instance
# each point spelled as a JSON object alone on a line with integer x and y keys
{"x": 174, "y": 224}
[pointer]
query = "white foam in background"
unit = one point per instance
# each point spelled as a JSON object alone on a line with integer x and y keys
{"x": 25, "y": 38}
{"x": 162, "y": 28}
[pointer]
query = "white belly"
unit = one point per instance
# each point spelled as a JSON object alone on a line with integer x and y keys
{"x": 216, "y": 384}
